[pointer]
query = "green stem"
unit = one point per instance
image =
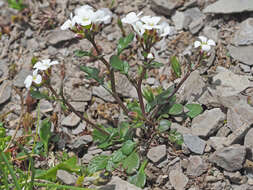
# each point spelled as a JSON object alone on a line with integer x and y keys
{"x": 60, "y": 186}
{"x": 139, "y": 91}
{"x": 11, "y": 171}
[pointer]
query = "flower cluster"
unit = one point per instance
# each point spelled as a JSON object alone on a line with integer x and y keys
{"x": 36, "y": 77}
{"x": 85, "y": 16}
{"x": 146, "y": 23}
{"x": 204, "y": 44}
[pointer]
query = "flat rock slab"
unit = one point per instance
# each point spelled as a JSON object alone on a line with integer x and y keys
{"x": 242, "y": 53}
{"x": 20, "y": 78}
{"x": 157, "y": 153}
{"x": 56, "y": 36}
{"x": 208, "y": 122}
{"x": 118, "y": 184}
{"x": 66, "y": 177}
{"x": 71, "y": 120}
{"x": 194, "y": 143}
{"x": 5, "y": 91}
{"x": 165, "y": 7}
{"x": 244, "y": 36}
{"x": 178, "y": 180}
{"x": 229, "y": 6}
{"x": 196, "y": 166}
{"x": 230, "y": 158}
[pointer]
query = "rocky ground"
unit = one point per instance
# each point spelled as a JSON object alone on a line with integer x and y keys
{"x": 218, "y": 144}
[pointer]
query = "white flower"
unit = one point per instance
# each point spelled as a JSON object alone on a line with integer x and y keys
{"x": 138, "y": 28}
{"x": 70, "y": 23}
{"x": 150, "y": 22}
{"x": 204, "y": 43}
{"x": 150, "y": 56}
{"x": 85, "y": 17}
{"x": 131, "y": 18}
{"x": 33, "y": 78}
{"x": 83, "y": 9}
{"x": 44, "y": 64}
{"x": 101, "y": 16}
{"x": 164, "y": 29}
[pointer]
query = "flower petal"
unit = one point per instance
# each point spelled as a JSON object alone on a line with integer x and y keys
{"x": 38, "y": 79}
{"x": 210, "y": 42}
{"x": 197, "y": 44}
{"x": 54, "y": 63}
{"x": 205, "y": 47}
{"x": 66, "y": 25}
{"x": 203, "y": 39}
{"x": 28, "y": 81}
{"x": 41, "y": 66}
{"x": 150, "y": 56}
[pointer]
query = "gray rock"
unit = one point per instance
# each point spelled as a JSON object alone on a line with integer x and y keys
{"x": 196, "y": 166}
{"x": 45, "y": 106}
{"x": 244, "y": 36}
{"x": 79, "y": 106}
{"x": 80, "y": 142}
{"x": 224, "y": 131}
{"x": 80, "y": 128}
{"x": 165, "y": 7}
{"x": 5, "y": 91}
{"x": 196, "y": 25}
{"x": 20, "y": 78}
{"x": 124, "y": 87}
{"x": 248, "y": 140}
{"x": 211, "y": 33}
{"x": 66, "y": 177}
{"x": 33, "y": 45}
{"x": 102, "y": 93}
{"x": 230, "y": 158}
{"x": 194, "y": 143}
{"x": 71, "y": 120}
{"x": 192, "y": 89}
{"x": 242, "y": 54}
{"x": 208, "y": 122}
{"x": 3, "y": 69}
{"x": 178, "y": 19}
{"x": 217, "y": 142}
{"x": 151, "y": 81}
{"x": 156, "y": 154}
{"x": 234, "y": 177}
{"x": 86, "y": 158}
{"x": 118, "y": 184}
{"x": 226, "y": 83}
{"x": 28, "y": 33}
{"x": 81, "y": 94}
{"x": 56, "y": 36}
{"x": 237, "y": 135}
{"x": 177, "y": 179}
{"x": 180, "y": 129}
{"x": 193, "y": 17}
{"x": 229, "y": 6}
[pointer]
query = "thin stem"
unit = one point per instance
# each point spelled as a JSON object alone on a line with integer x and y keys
{"x": 139, "y": 91}
{"x": 190, "y": 70}
{"x": 112, "y": 77}
{"x": 76, "y": 112}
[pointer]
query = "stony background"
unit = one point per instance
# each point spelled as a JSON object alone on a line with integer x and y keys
{"x": 218, "y": 144}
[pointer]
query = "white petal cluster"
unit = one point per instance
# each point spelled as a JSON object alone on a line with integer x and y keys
{"x": 204, "y": 44}
{"x": 140, "y": 25}
{"x": 86, "y": 16}
{"x": 39, "y": 66}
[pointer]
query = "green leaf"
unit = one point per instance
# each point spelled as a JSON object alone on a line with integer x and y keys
{"x": 176, "y": 109}
{"x": 118, "y": 156}
{"x": 45, "y": 132}
{"x": 38, "y": 95}
{"x": 164, "y": 125}
{"x": 194, "y": 110}
{"x": 98, "y": 163}
{"x": 128, "y": 147}
{"x": 118, "y": 64}
{"x": 92, "y": 73}
{"x": 16, "y": 4}
{"x": 155, "y": 65}
{"x": 140, "y": 178}
{"x": 176, "y": 66}
{"x": 81, "y": 53}
{"x": 124, "y": 42}
{"x": 131, "y": 163}
{"x": 123, "y": 129}
{"x": 69, "y": 165}
{"x": 176, "y": 137}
